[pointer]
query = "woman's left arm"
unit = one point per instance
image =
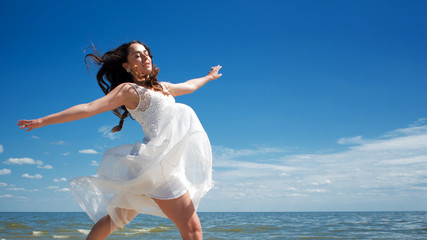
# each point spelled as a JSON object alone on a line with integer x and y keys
{"x": 192, "y": 85}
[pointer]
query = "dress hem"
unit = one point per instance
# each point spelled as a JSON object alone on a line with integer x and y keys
{"x": 166, "y": 198}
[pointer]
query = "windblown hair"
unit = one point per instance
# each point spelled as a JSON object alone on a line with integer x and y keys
{"x": 111, "y": 74}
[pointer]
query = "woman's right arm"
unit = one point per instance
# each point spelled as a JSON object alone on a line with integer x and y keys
{"x": 124, "y": 94}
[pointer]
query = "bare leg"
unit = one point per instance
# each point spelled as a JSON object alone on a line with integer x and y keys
{"x": 181, "y": 212}
{"x": 105, "y": 226}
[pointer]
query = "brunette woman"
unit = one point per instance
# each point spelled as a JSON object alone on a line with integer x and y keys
{"x": 169, "y": 172}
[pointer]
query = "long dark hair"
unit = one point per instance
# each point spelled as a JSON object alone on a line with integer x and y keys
{"x": 111, "y": 74}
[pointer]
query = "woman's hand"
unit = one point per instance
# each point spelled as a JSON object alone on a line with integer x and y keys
{"x": 214, "y": 72}
{"x": 31, "y": 124}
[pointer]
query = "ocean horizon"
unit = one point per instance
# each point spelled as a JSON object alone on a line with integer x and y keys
{"x": 228, "y": 225}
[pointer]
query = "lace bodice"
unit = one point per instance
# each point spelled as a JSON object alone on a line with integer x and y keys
{"x": 149, "y": 110}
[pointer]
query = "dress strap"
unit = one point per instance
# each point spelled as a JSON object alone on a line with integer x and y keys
{"x": 139, "y": 89}
{"x": 144, "y": 98}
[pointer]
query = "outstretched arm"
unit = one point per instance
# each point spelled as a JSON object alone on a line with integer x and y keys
{"x": 192, "y": 85}
{"x": 121, "y": 95}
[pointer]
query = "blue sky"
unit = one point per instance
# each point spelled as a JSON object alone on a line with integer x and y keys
{"x": 321, "y": 107}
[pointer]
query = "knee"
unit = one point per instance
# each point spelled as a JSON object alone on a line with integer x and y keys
{"x": 196, "y": 228}
{"x": 193, "y": 229}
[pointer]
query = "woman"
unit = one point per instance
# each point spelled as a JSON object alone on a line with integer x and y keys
{"x": 169, "y": 172}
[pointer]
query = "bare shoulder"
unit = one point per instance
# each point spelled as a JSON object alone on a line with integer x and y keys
{"x": 129, "y": 94}
{"x": 126, "y": 89}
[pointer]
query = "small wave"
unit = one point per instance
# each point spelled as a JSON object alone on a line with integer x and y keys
{"x": 126, "y": 233}
{"x": 83, "y": 231}
{"x": 256, "y": 229}
{"x": 60, "y": 236}
{"x": 221, "y": 229}
{"x": 143, "y": 230}
{"x": 39, "y": 233}
{"x": 17, "y": 226}
{"x": 160, "y": 229}
{"x": 314, "y": 238}
{"x": 139, "y": 231}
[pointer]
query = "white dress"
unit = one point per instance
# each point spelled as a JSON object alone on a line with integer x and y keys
{"x": 175, "y": 157}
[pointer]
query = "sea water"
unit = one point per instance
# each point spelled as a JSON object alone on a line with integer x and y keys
{"x": 227, "y": 225}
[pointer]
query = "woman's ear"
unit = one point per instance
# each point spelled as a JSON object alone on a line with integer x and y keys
{"x": 125, "y": 65}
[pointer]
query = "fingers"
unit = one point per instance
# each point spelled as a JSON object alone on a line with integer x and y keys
{"x": 215, "y": 69}
{"x": 25, "y": 124}
{"x": 21, "y": 123}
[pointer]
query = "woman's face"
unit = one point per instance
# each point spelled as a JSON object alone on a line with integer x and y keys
{"x": 138, "y": 60}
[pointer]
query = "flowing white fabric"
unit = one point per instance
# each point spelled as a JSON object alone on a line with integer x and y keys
{"x": 175, "y": 157}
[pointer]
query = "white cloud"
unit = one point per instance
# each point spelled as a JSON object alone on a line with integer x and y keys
{"x": 66, "y": 154}
{"x": 12, "y": 196}
{"x": 414, "y": 129}
{"x": 26, "y": 160}
{"x": 37, "y": 176}
{"x": 58, "y": 142}
{"x": 6, "y": 196}
{"x": 94, "y": 163}
{"x": 352, "y": 140}
{"x": 62, "y": 190}
{"x": 317, "y": 190}
{"x": 405, "y": 160}
{"x": 21, "y": 161}
{"x": 295, "y": 195}
{"x": 375, "y": 172}
{"x": 57, "y": 189}
{"x": 88, "y": 151}
{"x": 106, "y": 132}
{"x": 322, "y": 182}
{"x": 45, "y": 167}
{"x": 23, "y": 189}
{"x": 60, "y": 180}
{"x": 1, "y": 148}
{"x": 405, "y": 143}
{"x": 5, "y": 171}
{"x": 35, "y": 137}
{"x": 224, "y": 152}
{"x": 2, "y": 184}
{"x": 418, "y": 122}
{"x": 16, "y": 189}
